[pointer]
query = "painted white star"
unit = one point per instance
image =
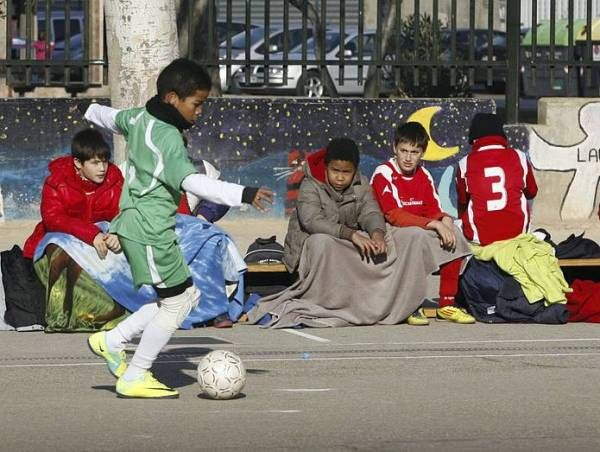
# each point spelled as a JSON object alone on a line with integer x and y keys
{"x": 581, "y": 157}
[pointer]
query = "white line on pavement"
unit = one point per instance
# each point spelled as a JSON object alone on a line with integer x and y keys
{"x": 304, "y": 389}
{"x": 229, "y": 412}
{"x": 490, "y": 341}
{"x": 340, "y": 358}
{"x": 306, "y": 335}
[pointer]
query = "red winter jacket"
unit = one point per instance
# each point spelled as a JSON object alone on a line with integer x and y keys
{"x": 72, "y": 205}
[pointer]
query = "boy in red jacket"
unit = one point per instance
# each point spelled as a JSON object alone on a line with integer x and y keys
{"x": 82, "y": 189}
{"x": 407, "y": 197}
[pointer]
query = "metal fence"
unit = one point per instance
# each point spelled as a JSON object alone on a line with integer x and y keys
{"x": 434, "y": 48}
{"x": 48, "y": 43}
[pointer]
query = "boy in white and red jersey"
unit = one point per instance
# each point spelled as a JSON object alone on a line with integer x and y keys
{"x": 493, "y": 183}
{"x": 407, "y": 197}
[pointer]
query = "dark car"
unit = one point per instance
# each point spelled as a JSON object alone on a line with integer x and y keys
{"x": 234, "y": 29}
{"x": 481, "y": 46}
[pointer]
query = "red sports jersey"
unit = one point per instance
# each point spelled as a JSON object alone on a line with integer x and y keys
{"x": 415, "y": 195}
{"x": 494, "y": 183}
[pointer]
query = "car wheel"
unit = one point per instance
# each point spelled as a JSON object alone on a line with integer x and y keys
{"x": 310, "y": 85}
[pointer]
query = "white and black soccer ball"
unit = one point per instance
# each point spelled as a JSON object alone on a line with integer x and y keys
{"x": 221, "y": 375}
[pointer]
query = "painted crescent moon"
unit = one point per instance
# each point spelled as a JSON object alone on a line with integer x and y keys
{"x": 434, "y": 151}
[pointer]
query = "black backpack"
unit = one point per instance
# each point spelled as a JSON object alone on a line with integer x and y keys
{"x": 24, "y": 293}
{"x": 264, "y": 251}
{"x": 577, "y": 246}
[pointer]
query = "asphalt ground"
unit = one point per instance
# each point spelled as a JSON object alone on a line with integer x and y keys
{"x": 442, "y": 387}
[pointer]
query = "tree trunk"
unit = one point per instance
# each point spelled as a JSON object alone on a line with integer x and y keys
{"x": 313, "y": 17}
{"x": 389, "y": 15}
{"x": 3, "y": 87}
{"x": 198, "y": 46}
{"x": 141, "y": 40}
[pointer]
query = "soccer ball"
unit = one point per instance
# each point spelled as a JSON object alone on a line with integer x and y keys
{"x": 221, "y": 375}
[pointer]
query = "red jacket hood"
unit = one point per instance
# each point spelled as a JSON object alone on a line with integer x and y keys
{"x": 316, "y": 168}
{"x": 315, "y": 165}
{"x": 62, "y": 170}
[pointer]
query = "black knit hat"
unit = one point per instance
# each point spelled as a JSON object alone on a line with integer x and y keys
{"x": 485, "y": 124}
{"x": 342, "y": 149}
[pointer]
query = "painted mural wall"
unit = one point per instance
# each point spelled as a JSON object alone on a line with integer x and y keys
{"x": 253, "y": 141}
{"x": 577, "y": 163}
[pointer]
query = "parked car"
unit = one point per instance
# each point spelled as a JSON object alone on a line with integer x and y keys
{"x": 480, "y": 52}
{"x": 310, "y": 83}
{"x": 75, "y": 48}
{"x": 544, "y": 80}
{"x": 257, "y": 49}
{"x": 235, "y": 28}
{"x": 57, "y": 41}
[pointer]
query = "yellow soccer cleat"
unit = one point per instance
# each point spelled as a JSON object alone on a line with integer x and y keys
{"x": 115, "y": 361}
{"x": 418, "y": 318}
{"x": 454, "y": 314}
{"x": 146, "y": 387}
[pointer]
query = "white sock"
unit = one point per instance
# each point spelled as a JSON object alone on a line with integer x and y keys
{"x": 124, "y": 332}
{"x": 155, "y": 336}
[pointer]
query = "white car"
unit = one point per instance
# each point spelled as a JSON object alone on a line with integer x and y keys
{"x": 311, "y": 84}
{"x": 257, "y": 49}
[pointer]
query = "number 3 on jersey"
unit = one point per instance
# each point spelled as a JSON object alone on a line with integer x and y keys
{"x": 498, "y": 186}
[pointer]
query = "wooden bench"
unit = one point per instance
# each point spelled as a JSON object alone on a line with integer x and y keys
{"x": 581, "y": 262}
{"x": 581, "y": 268}
{"x": 266, "y": 268}
{"x": 267, "y": 277}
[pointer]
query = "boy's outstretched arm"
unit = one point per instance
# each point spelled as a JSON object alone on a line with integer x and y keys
{"x": 103, "y": 116}
{"x": 226, "y": 193}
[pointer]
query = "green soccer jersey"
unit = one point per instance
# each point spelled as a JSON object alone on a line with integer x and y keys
{"x": 157, "y": 163}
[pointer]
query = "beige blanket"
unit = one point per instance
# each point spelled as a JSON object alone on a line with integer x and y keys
{"x": 337, "y": 288}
